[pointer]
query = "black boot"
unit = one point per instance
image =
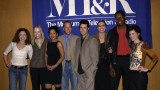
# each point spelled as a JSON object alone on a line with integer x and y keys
{"x": 48, "y": 89}
{"x": 57, "y": 88}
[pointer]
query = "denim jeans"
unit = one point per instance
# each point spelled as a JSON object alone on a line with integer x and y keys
{"x": 17, "y": 76}
{"x": 68, "y": 73}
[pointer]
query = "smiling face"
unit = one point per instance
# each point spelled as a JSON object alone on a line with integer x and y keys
{"x": 120, "y": 19}
{"x": 37, "y": 33}
{"x": 101, "y": 27}
{"x": 134, "y": 35}
{"x": 84, "y": 29}
{"x": 22, "y": 36}
{"x": 52, "y": 34}
{"x": 67, "y": 28}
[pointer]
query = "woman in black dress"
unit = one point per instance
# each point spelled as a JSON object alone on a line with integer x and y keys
{"x": 54, "y": 57}
{"x": 102, "y": 78}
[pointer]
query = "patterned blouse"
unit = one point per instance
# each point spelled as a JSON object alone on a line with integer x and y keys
{"x": 138, "y": 56}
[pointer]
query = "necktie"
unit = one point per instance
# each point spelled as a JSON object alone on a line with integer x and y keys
{"x": 68, "y": 50}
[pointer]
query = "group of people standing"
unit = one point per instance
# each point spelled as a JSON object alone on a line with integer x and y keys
{"x": 94, "y": 62}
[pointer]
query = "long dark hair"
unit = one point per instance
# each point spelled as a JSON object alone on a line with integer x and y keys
{"x": 16, "y": 36}
{"x": 137, "y": 29}
{"x": 103, "y": 22}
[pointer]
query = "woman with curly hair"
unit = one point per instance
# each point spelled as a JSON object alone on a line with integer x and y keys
{"x": 17, "y": 67}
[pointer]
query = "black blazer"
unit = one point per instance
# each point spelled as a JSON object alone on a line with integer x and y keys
{"x": 112, "y": 41}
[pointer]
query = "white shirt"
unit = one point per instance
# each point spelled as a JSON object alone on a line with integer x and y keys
{"x": 19, "y": 55}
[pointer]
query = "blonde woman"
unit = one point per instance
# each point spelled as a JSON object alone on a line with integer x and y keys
{"x": 37, "y": 64}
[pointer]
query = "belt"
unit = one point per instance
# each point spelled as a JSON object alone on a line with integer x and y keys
{"x": 68, "y": 61}
{"x": 133, "y": 71}
{"x": 19, "y": 67}
{"x": 123, "y": 55}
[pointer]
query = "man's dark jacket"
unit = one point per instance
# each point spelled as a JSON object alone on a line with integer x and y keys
{"x": 112, "y": 41}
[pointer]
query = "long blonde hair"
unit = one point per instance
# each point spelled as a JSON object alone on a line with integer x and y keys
{"x": 42, "y": 33}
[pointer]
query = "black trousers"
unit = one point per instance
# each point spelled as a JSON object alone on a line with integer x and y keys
{"x": 102, "y": 79}
{"x": 139, "y": 80}
{"x": 121, "y": 69}
{"x": 37, "y": 78}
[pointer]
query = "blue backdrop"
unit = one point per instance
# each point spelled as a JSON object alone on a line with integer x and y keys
{"x": 54, "y": 12}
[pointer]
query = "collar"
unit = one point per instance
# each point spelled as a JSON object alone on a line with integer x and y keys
{"x": 67, "y": 36}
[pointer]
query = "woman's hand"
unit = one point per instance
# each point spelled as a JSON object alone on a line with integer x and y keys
{"x": 48, "y": 67}
{"x": 109, "y": 50}
{"x": 53, "y": 67}
{"x": 8, "y": 65}
{"x": 142, "y": 69}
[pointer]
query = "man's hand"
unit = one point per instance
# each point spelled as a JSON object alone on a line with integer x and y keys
{"x": 112, "y": 71}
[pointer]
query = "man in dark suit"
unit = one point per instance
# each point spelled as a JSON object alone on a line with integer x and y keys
{"x": 87, "y": 56}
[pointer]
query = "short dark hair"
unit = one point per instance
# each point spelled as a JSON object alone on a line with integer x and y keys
{"x": 84, "y": 21}
{"x": 120, "y": 12}
{"x": 16, "y": 36}
{"x": 67, "y": 21}
{"x": 102, "y": 21}
{"x": 137, "y": 29}
{"x": 55, "y": 28}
